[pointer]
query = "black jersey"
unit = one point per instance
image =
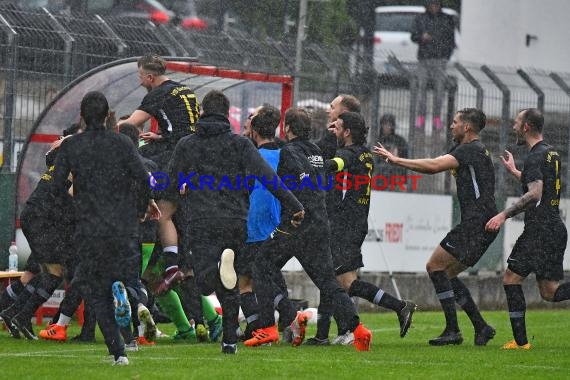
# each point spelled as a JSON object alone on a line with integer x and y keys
{"x": 348, "y": 209}
{"x": 301, "y": 167}
{"x": 175, "y": 108}
{"x": 543, "y": 163}
{"x": 104, "y": 165}
{"x": 475, "y": 178}
{"x": 42, "y": 200}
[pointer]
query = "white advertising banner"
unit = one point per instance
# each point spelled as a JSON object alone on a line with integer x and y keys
{"x": 514, "y": 228}
{"x": 404, "y": 229}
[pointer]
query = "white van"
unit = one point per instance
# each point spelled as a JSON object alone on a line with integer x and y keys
{"x": 392, "y": 35}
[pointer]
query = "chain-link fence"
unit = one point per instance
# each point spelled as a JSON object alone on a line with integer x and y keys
{"x": 40, "y": 52}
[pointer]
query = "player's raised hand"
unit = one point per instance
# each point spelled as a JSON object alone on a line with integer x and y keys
{"x": 509, "y": 161}
{"x": 381, "y": 151}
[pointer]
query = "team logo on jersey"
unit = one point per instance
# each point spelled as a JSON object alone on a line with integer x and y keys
{"x": 316, "y": 161}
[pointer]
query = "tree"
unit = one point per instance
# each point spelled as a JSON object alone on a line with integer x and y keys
{"x": 328, "y": 21}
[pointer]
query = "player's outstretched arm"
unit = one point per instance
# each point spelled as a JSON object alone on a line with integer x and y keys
{"x": 421, "y": 165}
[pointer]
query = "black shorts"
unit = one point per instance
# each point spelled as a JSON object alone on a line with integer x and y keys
{"x": 50, "y": 242}
{"x": 346, "y": 253}
{"x": 540, "y": 250}
{"x": 245, "y": 259}
{"x": 468, "y": 241}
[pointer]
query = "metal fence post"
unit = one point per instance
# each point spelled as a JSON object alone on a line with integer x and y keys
{"x": 451, "y": 85}
{"x": 121, "y": 45}
{"x": 69, "y": 41}
{"x": 532, "y": 84}
{"x": 564, "y": 86}
{"x": 505, "y": 117}
{"x": 9, "y": 94}
{"x": 473, "y": 82}
{"x": 375, "y": 126}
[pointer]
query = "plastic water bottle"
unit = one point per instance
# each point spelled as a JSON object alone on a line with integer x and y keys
{"x": 13, "y": 258}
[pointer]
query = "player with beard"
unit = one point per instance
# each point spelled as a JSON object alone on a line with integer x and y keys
{"x": 540, "y": 248}
{"x": 471, "y": 165}
{"x": 348, "y": 218}
{"x": 301, "y": 166}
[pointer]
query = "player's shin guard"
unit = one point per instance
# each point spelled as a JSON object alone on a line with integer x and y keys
{"x": 446, "y": 298}
{"x": 464, "y": 299}
{"x": 250, "y": 310}
{"x": 517, "y": 309}
{"x": 375, "y": 295}
{"x": 10, "y": 294}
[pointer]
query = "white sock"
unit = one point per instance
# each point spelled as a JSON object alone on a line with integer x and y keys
{"x": 171, "y": 249}
{"x": 63, "y": 320}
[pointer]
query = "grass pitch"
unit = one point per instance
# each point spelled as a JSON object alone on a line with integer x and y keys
{"x": 390, "y": 357}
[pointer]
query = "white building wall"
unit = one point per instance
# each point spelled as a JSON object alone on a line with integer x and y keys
{"x": 494, "y": 32}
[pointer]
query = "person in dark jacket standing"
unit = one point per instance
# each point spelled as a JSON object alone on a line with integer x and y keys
{"x": 434, "y": 32}
{"x": 211, "y": 166}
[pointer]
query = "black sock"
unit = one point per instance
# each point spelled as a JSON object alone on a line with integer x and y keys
{"x": 287, "y": 312}
{"x": 446, "y": 298}
{"x": 25, "y": 294}
{"x": 230, "y": 302}
{"x": 135, "y": 295}
{"x": 374, "y": 294}
{"x": 250, "y": 310}
{"x": 517, "y": 309}
{"x": 89, "y": 321}
{"x": 464, "y": 299}
{"x": 10, "y": 294}
{"x": 324, "y": 316}
{"x": 191, "y": 299}
{"x": 562, "y": 293}
{"x": 47, "y": 284}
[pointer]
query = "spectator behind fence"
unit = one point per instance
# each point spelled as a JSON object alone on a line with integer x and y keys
{"x": 434, "y": 32}
{"x": 394, "y": 143}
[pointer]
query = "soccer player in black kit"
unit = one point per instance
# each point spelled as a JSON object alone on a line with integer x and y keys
{"x": 348, "y": 217}
{"x": 48, "y": 225}
{"x": 540, "y": 248}
{"x": 104, "y": 165}
{"x": 176, "y": 109}
{"x": 471, "y": 165}
{"x": 301, "y": 165}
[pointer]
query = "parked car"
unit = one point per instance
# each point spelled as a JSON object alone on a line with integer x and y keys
{"x": 152, "y": 10}
{"x": 392, "y": 35}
